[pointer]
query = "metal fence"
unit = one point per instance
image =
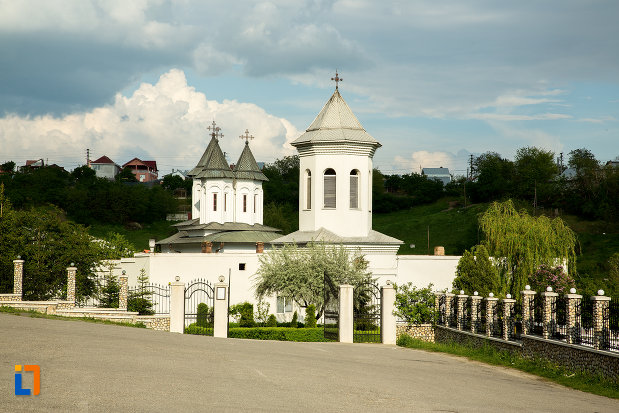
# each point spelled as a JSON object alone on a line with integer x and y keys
{"x": 536, "y": 308}
{"x": 584, "y": 334}
{"x": 516, "y": 324}
{"x": 610, "y": 318}
{"x": 157, "y": 294}
{"x": 441, "y": 314}
{"x": 558, "y": 321}
{"x": 481, "y": 318}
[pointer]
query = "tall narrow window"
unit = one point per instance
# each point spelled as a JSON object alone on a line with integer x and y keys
{"x": 225, "y": 202}
{"x": 214, "y": 202}
{"x": 255, "y": 203}
{"x": 308, "y": 190}
{"x": 329, "y": 189}
{"x": 244, "y": 203}
{"x": 354, "y": 189}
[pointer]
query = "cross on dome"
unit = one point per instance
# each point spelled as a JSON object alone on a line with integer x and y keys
{"x": 337, "y": 79}
{"x": 215, "y": 131}
{"x": 246, "y": 136}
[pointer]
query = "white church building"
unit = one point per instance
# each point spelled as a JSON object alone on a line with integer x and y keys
{"x": 226, "y": 235}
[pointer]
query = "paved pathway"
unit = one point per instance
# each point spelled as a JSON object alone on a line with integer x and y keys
{"x": 94, "y": 367}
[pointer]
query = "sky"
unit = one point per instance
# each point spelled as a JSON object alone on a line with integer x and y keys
{"x": 432, "y": 81}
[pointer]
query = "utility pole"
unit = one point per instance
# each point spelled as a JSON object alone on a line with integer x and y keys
{"x": 561, "y": 162}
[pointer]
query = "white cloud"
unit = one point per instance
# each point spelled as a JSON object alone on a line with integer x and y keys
{"x": 425, "y": 159}
{"x": 508, "y": 117}
{"x": 165, "y": 121}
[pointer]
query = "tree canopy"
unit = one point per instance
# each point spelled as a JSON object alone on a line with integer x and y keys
{"x": 297, "y": 273}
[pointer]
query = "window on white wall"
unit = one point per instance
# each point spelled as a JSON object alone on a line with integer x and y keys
{"x": 329, "y": 189}
{"x": 255, "y": 202}
{"x": 308, "y": 189}
{"x": 284, "y": 305}
{"x": 354, "y": 189}
{"x": 214, "y": 202}
{"x": 244, "y": 203}
{"x": 225, "y": 202}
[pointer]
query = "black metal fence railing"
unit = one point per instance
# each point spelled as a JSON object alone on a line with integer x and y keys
{"x": 453, "y": 315}
{"x": 481, "y": 318}
{"x": 610, "y": 318}
{"x": 465, "y": 321}
{"x": 538, "y": 317}
{"x": 558, "y": 321}
{"x": 584, "y": 333}
{"x": 157, "y": 294}
{"x": 441, "y": 307}
{"x": 516, "y": 324}
{"x": 497, "y": 319}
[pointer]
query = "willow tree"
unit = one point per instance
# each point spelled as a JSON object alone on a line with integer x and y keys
{"x": 521, "y": 243}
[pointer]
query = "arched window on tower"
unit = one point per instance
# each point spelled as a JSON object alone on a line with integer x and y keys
{"x": 354, "y": 189}
{"x": 308, "y": 189}
{"x": 329, "y": 189}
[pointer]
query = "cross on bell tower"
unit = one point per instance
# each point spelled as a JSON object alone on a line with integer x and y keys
{"x": 215, "y": 131}
{"x": 246, "y": 136}
{"x": 337, "y": 79}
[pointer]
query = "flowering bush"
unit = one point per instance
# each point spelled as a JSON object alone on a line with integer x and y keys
{"x": 555, "y": 277}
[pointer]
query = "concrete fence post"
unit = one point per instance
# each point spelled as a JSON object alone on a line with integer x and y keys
{"x": 449, "y": 310}
{"x": 475, "y": 303}
{"x": 573, "y": 318}
{"x": 177, "y": 307}
{"x": 346, "y": 328}
{"x": 601, "y": 324}
{"x": 220, "y": 310}
{"x": 18, "y": 277}
{"x": 71, "y": 273}
{"x": 527, "y": 316}
{"x": 387, "y": 318}
{"x": 508, "y": 317}
{"x": 490, "y": 302}
{"x": 461, "y": 311}
{"x": 123, "y": 293}
{"x": 549, "y": 317}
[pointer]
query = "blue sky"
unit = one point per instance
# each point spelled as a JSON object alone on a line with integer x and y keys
{"x": 433, "y": 81}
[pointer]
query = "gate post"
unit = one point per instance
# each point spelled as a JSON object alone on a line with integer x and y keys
{"x": 18, "y": 277}
{"x": 177, "y": 306}
{"x": 71, "y": 272}
{"x": 123, "y": 294}
{"x": 387, "y": 319}
{"x": 220, "y": 309}
{"x": 346, "y": 327}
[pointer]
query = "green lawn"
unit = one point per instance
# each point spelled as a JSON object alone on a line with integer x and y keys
{"x": 139, "y": 238}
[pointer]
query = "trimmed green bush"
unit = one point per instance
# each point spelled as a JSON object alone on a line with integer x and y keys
{"x": 203, "y": 316}
{"x": 272, "y": 321}
{"x": 278, "y": 333}
{"x": 295, "y": 320}
{"x": 310, "y": 316}
{"x": 246, "y": 312}
{"x": 195, "y": 329}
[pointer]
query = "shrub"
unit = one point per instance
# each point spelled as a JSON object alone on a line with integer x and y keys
{"x": 203, "y": 317}
{"x": 245, "y": 313}
{"x": 278, "y": 333}
{"x": 556, "y": 278}
{"x": 404, "y": 340}
{"x": 475, "y": 272}
{"x": 141, "y": 305}
{"x": 195, "y": 329}
{"x": 414, "y": 305}
{"x": 294, "y": 323}
{"x": 272, "y": 321}
{"x": 110, "y": 292}
{"x": 310, "y": 316}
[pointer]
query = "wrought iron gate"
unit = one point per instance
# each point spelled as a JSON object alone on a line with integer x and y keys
{"x": 331, "y": 308}
{"x": 366, "y": 313}
{"x": 199, "y": 303}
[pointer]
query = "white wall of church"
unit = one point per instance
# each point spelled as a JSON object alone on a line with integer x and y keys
{"x": 342, "y": 220}
{"x": 422, "y": 270}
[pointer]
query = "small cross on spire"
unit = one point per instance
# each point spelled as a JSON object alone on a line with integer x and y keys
{"x": 246, "y": 136}
{"x": 215, "y": 131}
{"x": 337, "y": 79}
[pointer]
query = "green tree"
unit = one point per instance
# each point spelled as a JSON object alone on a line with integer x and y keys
{"x": 272, "y": 321}
{"x": 262, "y": 311}
{"x": 204, "y": 316}
{"x": 126, "y": 175}
{"x": 475, "y": 272}
{"x": 310, "y": 316}
{"x": 414, "y": 305}
{"x": 295, "y": 320}
{"x": 521, "y": 243}
{"x": 283, "y": 184}
{"x": 110, "y": 292}
{"x": 140, "y": 299}
{"x": 298, "y": 273}
{"x": 535, "y": 170}
{"x": 494, "y": 178}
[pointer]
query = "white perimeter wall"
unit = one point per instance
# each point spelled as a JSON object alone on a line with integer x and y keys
{"x": 422, "y": 270}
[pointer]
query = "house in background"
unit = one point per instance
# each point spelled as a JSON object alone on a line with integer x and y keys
{"x": 32, "y": 164}
{"x": 144, "y": 171}
{"x": 442, "y": 174}
{"x": 104, "y": 167}
{"x": 179, "y": 173}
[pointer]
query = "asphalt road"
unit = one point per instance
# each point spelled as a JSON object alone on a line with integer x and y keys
{"x": 95, "y": 367}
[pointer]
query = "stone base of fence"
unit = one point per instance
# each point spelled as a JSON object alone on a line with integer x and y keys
{"x": 157, "y": 323}
{"x": 423, "y": 332}
{"x": 447, "y": 334}
{"x": 572, "y": 356}
{"x": 10, "y": 297}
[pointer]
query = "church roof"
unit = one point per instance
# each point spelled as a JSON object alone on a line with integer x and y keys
{"x": 323, "y": 235}
{"x": 213, "y": 163}
{"x": 336, "y": 123}
{"x": 247, "y": 167}
{"x": 194, "y": 224}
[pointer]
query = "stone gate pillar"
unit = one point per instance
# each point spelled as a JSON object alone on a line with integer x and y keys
{"x": 123, "y": 293}
{"x": 449, "y": 310}
{"x": 460, "y": 310}
{"x": 527, "y": 316}
{"x": 346, "y": 327}
{"x": 71, "y": 273}
{"x": 475, "y": 303}
{"x": 600, "y": 325}
{"x": 573, "y": 318}
{"x": 177, "y": 306}
{"x": 387, "y": 319}
{"x": 490, "y": 301}
{"x": 18, "y": 277}
{"x": 220, "y": 309}
{"x": 549, "y": 318}
{"x": 439, "y": 314}
{"x": 508, "y": 317}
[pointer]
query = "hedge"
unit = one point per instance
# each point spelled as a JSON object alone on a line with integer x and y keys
{"x": 278, "y": 333}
